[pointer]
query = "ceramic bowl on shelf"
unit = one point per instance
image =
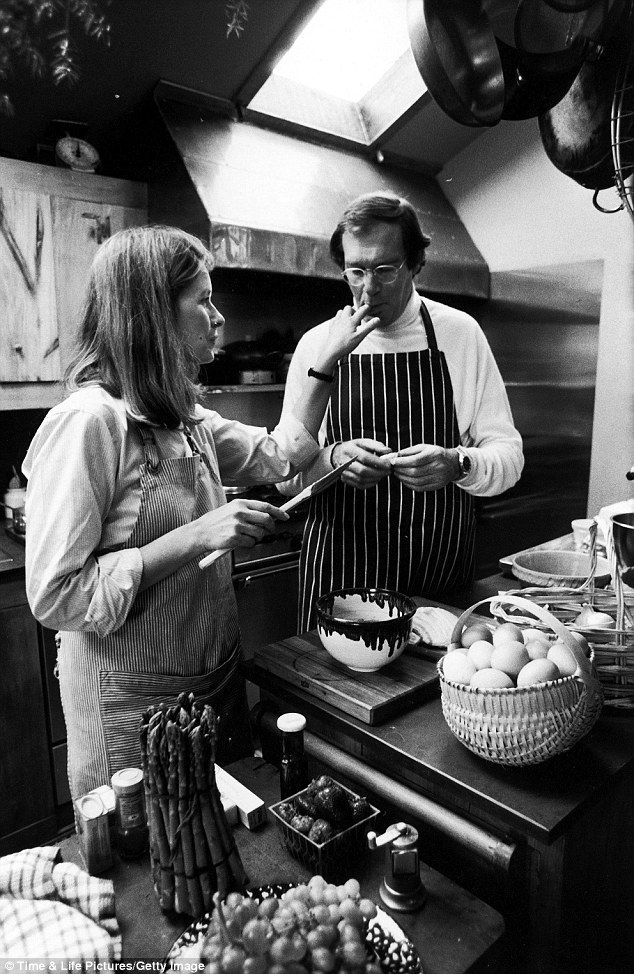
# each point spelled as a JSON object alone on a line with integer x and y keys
{"x": 569, "y": 569}
{"x": 364, "y": 628}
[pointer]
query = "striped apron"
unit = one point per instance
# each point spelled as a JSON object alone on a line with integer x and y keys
{"x": 180, "y": 635}
{"x": 389, "y": 536}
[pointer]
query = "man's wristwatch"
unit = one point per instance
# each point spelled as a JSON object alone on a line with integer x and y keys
{"x": 464, "y": 462}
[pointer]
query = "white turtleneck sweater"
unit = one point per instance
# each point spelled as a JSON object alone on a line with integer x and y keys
{"x": 482, "y": 407}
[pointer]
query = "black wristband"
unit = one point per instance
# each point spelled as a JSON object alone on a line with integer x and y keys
{"x": 320, "y": 375}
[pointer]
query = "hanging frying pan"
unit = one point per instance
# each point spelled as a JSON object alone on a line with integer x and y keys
{"x": 455, "y": 51}
{"x": 576, "y": 133}
{"x": 549, "y": 41}
{"x": 528, "y": 93}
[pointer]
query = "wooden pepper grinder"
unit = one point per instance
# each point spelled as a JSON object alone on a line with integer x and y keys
{"x": 401, "y": 888}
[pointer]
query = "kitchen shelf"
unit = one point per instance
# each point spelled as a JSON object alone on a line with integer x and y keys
{"x": 246, "y": 387}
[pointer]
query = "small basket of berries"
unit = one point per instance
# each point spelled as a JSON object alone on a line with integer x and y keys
{"x": 325, "y": 826}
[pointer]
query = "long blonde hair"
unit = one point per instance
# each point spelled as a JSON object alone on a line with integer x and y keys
{"x": 128, "y": 341}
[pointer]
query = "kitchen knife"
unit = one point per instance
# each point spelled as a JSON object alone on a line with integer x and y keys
{"x": 290, "y": 505}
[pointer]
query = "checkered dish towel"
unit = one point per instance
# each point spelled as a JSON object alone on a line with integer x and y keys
{"x": 53, "y": 909}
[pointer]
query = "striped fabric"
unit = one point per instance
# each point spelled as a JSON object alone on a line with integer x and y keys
{"x": 389, "y": 536}
{"x": 181, "y": 634}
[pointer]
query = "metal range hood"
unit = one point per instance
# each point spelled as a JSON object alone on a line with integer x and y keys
{"x": 268, "y": 201}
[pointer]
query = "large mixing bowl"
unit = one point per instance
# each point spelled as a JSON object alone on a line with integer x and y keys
{"x": 555, "y": 568}
{"x": 364, "y": 628}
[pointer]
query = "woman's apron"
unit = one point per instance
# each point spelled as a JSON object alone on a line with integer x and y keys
{"x": 389, "y": 536}
{"x": 181, "y": 635}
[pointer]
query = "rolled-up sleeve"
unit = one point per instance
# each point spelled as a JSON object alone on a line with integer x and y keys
{"x": 493, "y": 443}
{"x": 72, "y": 468}
{"x": 250, "y": 454}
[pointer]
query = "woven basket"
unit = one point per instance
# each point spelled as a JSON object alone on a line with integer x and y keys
{"x": 523, "y": 725}
{"x": 613, "y": 649}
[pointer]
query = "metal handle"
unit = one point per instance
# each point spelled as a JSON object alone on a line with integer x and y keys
{"x": 252, "y": 576}
{"x": 374, "y": 841}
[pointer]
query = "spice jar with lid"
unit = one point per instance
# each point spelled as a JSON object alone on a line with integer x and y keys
{"x": 131, "y": 830}
{"x": 294, "y": 773}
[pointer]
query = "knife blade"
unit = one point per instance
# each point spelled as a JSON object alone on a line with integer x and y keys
{"x": 304, "y": 495}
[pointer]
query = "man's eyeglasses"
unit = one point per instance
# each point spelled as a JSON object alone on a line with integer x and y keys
{"x": 384, "y": 274}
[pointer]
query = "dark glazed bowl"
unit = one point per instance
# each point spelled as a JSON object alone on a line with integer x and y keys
{"x": 364, "y": 628}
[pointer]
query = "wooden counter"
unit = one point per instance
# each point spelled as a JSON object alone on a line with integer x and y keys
{"x": 567, "y": 817}
{"x": 454, "y": 932}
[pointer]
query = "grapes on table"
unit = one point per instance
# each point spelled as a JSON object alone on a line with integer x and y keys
{"x": 311, "y": 928}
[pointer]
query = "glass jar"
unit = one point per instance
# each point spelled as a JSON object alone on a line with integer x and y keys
{"x": 294, "y": 775}
{"x": 131, "y": 830}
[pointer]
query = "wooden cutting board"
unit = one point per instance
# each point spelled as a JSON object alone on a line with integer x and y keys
{"x": 371, "y": 697}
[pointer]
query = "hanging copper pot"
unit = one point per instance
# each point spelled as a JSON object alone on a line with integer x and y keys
{"x": 577, "y": 132}
{"x": 550, "y": 41}
{"x": 455, "y": 51}
{"x": 529, "y": 93}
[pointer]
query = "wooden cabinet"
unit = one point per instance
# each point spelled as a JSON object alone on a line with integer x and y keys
{"x": 80, "y": 227}
{"x": 27, "y": 810}
{"x": 28, "y": 318}
{"x": 51, "y": 224}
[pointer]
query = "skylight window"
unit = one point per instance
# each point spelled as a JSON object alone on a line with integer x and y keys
{"x": 347, "y": 47}
{"x": 350, "y": 74}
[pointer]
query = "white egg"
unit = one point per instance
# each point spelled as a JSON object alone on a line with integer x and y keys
{"x": 474, "y": 633}
{"x": 456, "y": 666}
{"x": 480, "y": 653}
{"x": 562, "y": 657}
{"x": 510, "y": 657}
{"x": 581, "y": 639}
{"x": 507, "y": 632}
{"x": 537, "y": 648}
{"x": 538, "y": 671}
{"x": 490, "y": 678}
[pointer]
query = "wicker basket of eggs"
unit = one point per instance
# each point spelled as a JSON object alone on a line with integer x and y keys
{"x": 518, "y": 696}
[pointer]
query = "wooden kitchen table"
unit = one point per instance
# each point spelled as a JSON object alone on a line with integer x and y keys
{"x": 565, "y": 878}
{"x": 454, "y": 932}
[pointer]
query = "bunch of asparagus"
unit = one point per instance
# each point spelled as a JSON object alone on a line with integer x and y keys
{"x": 192, "y": 847}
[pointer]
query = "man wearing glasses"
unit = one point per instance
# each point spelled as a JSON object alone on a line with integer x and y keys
{"x": 421, "y": 405}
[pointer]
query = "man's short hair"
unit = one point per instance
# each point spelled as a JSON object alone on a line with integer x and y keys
{"x": 383, "y": 208}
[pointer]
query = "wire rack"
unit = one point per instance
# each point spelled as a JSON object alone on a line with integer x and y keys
{"x": 622, "y": 123}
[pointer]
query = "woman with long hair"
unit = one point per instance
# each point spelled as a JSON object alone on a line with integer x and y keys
{"x": 125, "y": 495}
